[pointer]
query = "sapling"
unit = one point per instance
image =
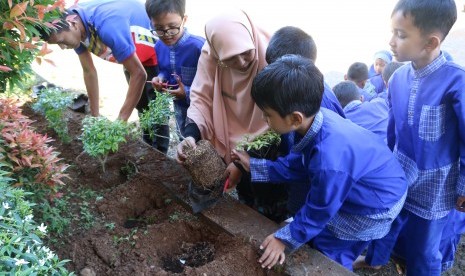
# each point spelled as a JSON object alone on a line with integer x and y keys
{"x": 158, "y": 112}
{"x": 52, "y": 103}
{"x": 261, "y": 145}
{"x": 100, "y": 136}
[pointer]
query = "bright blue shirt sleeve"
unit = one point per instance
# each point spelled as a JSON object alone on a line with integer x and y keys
{"x": 288, "y": 169}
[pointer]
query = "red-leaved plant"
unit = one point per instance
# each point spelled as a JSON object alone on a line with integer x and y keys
{"x": 31, "y": 159}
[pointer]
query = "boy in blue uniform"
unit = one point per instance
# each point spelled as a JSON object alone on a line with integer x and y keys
{"x": 117, "y": 31}
{"x": 178, "y": 53}
{"x": 358, "y": 73}
{"x": 369, "y": 115}
{"x": 426, "y": 133}
{"x": 357, "y": 186}
{"x": 293, "y": 40}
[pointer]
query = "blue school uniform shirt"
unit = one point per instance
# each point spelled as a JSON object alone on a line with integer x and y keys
{"x": 116, "y": 30}
{"x": 181, "y": 59}
{"x": 426, "y": 131}
{"x": 371, "y": 115}
{"x": 358, "y": 187}
{"x": 368, "y": 94}
{"x": 297, "y": 192}
{"x": 330, "y": 101}
{"x": 378, "y": 83}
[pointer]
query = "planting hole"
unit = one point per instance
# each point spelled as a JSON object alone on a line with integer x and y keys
{"x": 133, "y": 223}
{"x": 193, "y": 255}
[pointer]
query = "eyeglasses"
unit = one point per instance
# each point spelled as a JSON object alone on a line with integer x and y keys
{"x": 167, "y": 32}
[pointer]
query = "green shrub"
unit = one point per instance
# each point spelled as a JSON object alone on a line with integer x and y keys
{"x": 21, "y": 249}
{"x": 52, "y": 103}
{"x": 31, "y": 160}
{"x": 19, "y": 45}
{"x": 100, "y": 136}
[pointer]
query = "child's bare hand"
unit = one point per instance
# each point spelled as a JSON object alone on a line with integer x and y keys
{"x": 187, "y": 142}
{"x": 234, "y": 174}
{"x": 460, "y": 205}
{"x": 157, "y": 84}
{"x": 242, "y": 157}
{"x": 273, "y": 252}
{"x": 180, "y": 92}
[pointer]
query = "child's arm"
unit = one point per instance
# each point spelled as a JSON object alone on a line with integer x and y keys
{"x": 287, "y": 169}
{"x": 273, "y": 252}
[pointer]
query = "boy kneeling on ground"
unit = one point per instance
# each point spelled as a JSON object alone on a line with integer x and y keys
{"x": 357, "y": 186}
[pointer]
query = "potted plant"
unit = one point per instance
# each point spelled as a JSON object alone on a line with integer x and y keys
{"x": 264, "y": 146}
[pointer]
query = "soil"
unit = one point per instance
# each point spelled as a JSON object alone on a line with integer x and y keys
{"x": 139, "y": 228}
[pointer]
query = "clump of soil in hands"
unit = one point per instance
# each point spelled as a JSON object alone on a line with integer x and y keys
{"x": 205, "y": 166}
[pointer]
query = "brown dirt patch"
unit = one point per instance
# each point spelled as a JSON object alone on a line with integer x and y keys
{"x": 150, "y": 233}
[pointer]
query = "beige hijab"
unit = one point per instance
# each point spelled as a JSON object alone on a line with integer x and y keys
{"x": 221, "y": 104}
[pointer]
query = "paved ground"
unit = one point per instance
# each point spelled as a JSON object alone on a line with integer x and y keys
{"x": 345, "y": 32}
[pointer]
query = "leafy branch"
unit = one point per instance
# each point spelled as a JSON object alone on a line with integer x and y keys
{"x": 19, "y": 44}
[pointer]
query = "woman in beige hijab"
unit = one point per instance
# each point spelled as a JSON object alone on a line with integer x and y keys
{"x": 221, "y": 109}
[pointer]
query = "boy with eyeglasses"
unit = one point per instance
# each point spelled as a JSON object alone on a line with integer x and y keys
{"x": 178, "y": 53}
{"x": 117, "y": 31}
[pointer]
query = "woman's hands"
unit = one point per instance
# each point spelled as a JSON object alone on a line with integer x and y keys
{"x": 187, "y": 142}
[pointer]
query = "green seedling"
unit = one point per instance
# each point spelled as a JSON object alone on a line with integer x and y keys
{"x": 260, "y": 145}
{"x": 157, "y": 113}
{"x": 53, "y": 103}
{"x": 101, "y": 136}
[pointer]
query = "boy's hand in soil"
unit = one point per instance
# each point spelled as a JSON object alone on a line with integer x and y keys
{"x": 460, "y": 205}
{"x": 273, "y": 252}
{"x": 242, "y": 157}
{"x": 234, "y": 175}
{"x": 187, "y": 142}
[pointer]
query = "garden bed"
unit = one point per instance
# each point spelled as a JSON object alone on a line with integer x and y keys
{"x": 134, "y": 225}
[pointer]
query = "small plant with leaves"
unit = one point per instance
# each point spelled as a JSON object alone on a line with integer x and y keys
{"x": 101, "y": 136}
{"x": 157, "y": 113}
{"x": 21, "y": 248}
{"x": 262, "y": 146}
{"x": 52, "y": 103}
